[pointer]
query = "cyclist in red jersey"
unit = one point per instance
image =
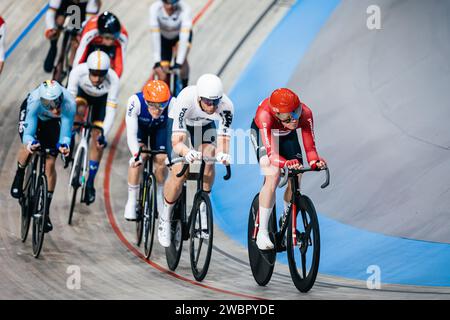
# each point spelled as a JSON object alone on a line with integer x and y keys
{"x": 104, "y": 32}
{"x": 274, "y": 136}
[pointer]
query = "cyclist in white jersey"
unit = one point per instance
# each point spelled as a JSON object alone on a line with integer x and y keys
{"x": 171, "y": 30}
{"x": 95, "y": 84}
{"x": 195, "y": 111}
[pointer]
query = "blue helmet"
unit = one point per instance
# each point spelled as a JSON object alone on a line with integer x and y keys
{"x": 51, "y": 94}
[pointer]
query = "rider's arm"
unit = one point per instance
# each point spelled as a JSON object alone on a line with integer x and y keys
{"x": 121, "y": 49}
{"x": 307, "y": 126}
{"x": 111, "y": 104}
{"x": 223, "y": 132}
{"x": 50, "y": 16}
{"x": 67, "y": 118}
{"x": 179, "y": 113}
{"x": 265, "y": 122}
{"x": 89, "y": 33}
{"x": 186, "y": 25}
{"x": 131, "y": 120}
{"x": 179, "y": 143}
{"x": 92, "y": 8}
{"x": 31, "y": 119}
{"x": 155, "y": 32}
{"x": 74, "y": 80}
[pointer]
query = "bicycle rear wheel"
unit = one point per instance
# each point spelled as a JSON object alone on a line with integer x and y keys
{"x": 75, "y": 183}
{"x": 149, "y": 216}
{"x": 262, "y": 262}
{"x": 201, "y": 236}
{"x": 26, "y": 204}
{"x": 304, "y": 255}
{"x": 173, "y": 252}
{"x": 39, "y": 215}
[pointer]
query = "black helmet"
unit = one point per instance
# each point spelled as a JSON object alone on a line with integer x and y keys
{"x": 172, "y": 2}
{"x": 108, "y": 23}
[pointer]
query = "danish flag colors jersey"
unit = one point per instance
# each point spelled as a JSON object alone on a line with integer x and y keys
{"x": 91, "y": 40}
{"x": 270, "y": 127}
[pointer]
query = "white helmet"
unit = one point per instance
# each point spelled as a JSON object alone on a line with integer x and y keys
{"x": 209, "y": 86}
{"x": 98, "y": 61}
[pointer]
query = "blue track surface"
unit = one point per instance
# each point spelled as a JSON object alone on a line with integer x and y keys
{"x": 346, "y": 251}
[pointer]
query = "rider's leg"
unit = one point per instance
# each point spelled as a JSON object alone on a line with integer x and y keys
{"x": 51, "y": 178}
{"x": 160, "y": 175}
{"x": 134, "y": 174}
{"x": 22, "y": 161}
{"x": 172, "y": 191}
{"x": 51, "y": 55}
{"x": 266, "y": 202}
{"x": 288, "y": 193}
{"x": 95, "y": 156}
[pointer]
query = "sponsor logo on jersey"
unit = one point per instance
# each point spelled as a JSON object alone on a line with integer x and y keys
{"x": 227, "y": 118}
{"x": 181, "y": 118}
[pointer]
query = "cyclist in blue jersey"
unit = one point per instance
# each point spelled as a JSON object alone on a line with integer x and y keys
{"x": 147, "y": 115}
{"x": 46, "y": 120}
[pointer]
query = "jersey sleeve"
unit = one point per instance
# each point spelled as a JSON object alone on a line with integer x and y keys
{"x": 31, "y": 120}
{"x": 307, "y": 127}
{"x": 226, "y": 116}
{"x": 121, "y": 50}
{"x": 186, "y": 25}
{"x": 265, "y": 122}
{"x": 87, "y": 36}
{"x": 67, "y": 119}
{"x": 111, "y": 104}
{"x": 155, "y": 33}
{"x": 74, "y": 80}
{"x": 131, "y": 120}
{"x": 180, "y": 112}
{"x": 50, "y": 15}
{"x": 92, "y": 8}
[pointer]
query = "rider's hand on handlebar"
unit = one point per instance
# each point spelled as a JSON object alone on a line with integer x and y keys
{"x": 63, "y": 149}
{"x": 134, "y": 163}
{"x": 293, "y": 164}
{"x": 157, "y": 65}
{"x": 51, "y": 34}
{"x": 33, "y": 146}
{"x": 223, "y": 158}
{"x": 101, "y": 142}
{"x": 193, "y": 155}
{"x": 319, "y": 164}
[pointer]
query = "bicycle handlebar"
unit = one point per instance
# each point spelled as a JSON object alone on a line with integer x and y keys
{"x": 152, "y": 152}
{"x": 205, "y": 159}
{"x": 292, "y": 173}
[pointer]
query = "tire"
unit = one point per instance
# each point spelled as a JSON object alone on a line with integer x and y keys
{"x": 39, "y": 214}
{"x": 173, "y": 252}
{"x": 199, "y": 254}
{"x": 75, "y": 183}
{"x": 26, "y": 203}
{"x": 149, "y": 216}
{"x": 140, "y": 213}
{"x": 308, "y": 255}
{"x": 262, "y": 263}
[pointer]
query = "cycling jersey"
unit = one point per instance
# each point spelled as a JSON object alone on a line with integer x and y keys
{"x": 88, "y": 8}
{"x": 271, "y": 127}
{"x": 140, "y": 124}
{"x": 163, "y": 26}
{"x": 91, "y": 41}
{"x": 2, "y": 39}
{"x": 187, "y": 112}
{"x": 36, "y": 112}
{"x": 79, "y": 79}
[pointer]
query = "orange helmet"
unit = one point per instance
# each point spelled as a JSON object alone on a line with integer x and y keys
{"x": 156, "y": 91}
{"x": 284, "y": 101}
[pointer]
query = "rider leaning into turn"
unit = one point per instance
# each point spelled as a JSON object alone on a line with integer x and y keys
{"x": 46, "y": 119}
{"x": 104, "y": 32}
{"x": 171, "y": 27}
{"x": 194, "y": 112}
{"x": 274, "y": 136}
{"x": 96, "y": 85}
{"x": 54, "y": 20}
{"x": 146, "y": 117}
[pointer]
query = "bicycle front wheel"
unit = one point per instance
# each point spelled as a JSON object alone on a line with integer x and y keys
{"x": 303, "y": 246}
{"x": 262, "y": 262}
{"x": 173, "y": 252}
{"x": 201, "y": 236}
{"x": 39, "y": 215}
{"x": 26, "y": 204}
{"x": 149, "y": 216}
